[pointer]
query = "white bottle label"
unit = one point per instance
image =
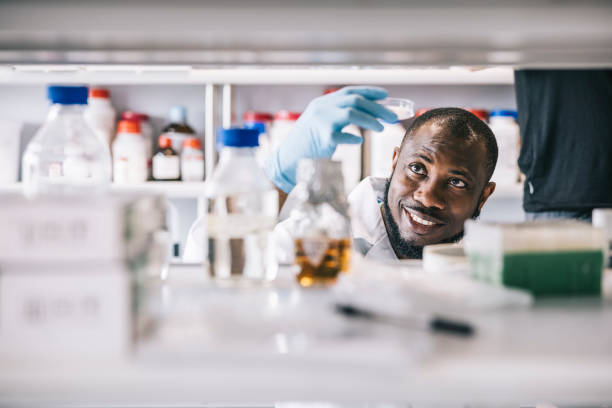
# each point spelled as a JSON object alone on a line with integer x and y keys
{"x": 192, "y": 167}
{"x": 128, "y": 169}
{"x": 166, "y": 167}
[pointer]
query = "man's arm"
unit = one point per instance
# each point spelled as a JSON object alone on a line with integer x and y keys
{"x": 319, "y": 130}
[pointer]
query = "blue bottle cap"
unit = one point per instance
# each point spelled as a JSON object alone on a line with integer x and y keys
{"x": 258, "y": 126}
{"x": 238, "y": 137}
{"x": 504, "y": 112}
{"x": 67, "y": 95}
{"x": 178, "y": 114}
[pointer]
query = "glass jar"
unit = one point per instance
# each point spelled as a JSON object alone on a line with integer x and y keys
{"x": 320, "y": 223}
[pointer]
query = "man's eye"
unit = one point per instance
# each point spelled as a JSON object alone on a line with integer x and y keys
{"x": 455, "y": 182}
{"x": 418, "y": 169}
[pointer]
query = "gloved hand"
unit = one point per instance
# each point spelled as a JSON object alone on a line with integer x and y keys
{"x": 319, "y": 130}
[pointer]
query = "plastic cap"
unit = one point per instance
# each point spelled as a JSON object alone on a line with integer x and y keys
{"x": 178, "y": 114}
{"x": 128, "y": 126}
{"x": 164, "y": 141}
{"x": 192, "y": 142}
{"x": 258, "y": 126}
{"x": 252, "y": 116}
{"x": 286, "y": 115}
{"x": 504, "y": 112}
{"x": 481, "y": 114}
{"x": 99, "y": 93}
{"x": 238, "y": 137}
{"x": 421, "y": 111}
{"x": 134, "y": 116}
{"x": 327, "y": 91}
{"x": 67, "y": 95}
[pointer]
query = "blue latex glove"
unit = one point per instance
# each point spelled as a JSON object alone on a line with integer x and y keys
{"x": 319, "y": 130}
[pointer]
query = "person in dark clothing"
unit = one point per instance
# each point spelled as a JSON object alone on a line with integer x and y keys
{"x": 565, "y": 117}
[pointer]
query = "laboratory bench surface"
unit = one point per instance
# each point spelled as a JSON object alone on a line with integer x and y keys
{"x": 557, "y": 350}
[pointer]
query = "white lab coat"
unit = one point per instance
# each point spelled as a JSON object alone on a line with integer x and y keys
{"x": 369, "y": 233}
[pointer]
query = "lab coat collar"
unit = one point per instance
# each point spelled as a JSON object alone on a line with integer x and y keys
{"x": 369, "y": 233}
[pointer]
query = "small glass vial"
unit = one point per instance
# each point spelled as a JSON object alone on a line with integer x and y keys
{"x": 166, "y": 162}
{"x": 321, "y": 224}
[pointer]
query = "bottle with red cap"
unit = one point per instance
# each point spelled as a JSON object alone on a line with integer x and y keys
{"x": 192, "y": 160}
{"x": 282, "y": 125}
{"x": 129, "y": 154}
{"x": 166, "y": 161}
{"x": 146, "y": 130}
{"x": 100, "y": 114}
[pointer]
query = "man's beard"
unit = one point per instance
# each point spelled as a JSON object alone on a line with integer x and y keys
{"x": 403, "y": 248}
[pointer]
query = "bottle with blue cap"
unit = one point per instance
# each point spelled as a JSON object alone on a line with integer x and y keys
{"x": 66, "y": 156}
{"x": 242, "y": 211}
{"x": 503, "y": 124}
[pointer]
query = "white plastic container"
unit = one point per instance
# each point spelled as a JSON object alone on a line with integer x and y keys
{"x": 66, "y": 156}
{"x": 166, "y": 161}
{"x": 507, "y": 133}
{"x": 129, "y": 154}
{"x": 382, "y": 143}
{"x": 282, "y": 125}
{"x": 100, "y": 113}
{"x": 192, "y": 160}
{"x": 10, "y": 133}
{"x": 235, "y": 237}
{"x": 146, "y": 130}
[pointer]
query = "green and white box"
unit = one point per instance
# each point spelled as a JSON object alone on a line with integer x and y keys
{"x": 562, "y": 257}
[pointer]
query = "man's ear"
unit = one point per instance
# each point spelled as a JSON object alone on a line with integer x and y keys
{"x": 486, "y": 193}
{"x": 396, "y": 153}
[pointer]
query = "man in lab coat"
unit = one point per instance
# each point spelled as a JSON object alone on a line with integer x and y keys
{"x": 440, "y": 173}
{"x": 440, "y": 178}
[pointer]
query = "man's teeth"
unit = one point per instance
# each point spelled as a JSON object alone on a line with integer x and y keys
{"x": 419, "y": 220}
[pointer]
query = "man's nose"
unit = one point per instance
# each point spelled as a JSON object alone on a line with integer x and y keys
{"x": 429, "y": 194}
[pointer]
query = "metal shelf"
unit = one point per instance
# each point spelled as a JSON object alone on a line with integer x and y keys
{"x": 172, "y": 189}
{"x": 314, "y": 75}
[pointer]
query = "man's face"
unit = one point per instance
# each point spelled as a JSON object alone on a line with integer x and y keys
{"x": 438, "y": 182}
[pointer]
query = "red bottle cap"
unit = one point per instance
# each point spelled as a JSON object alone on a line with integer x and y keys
{"x": 253, "y": 116}
{"x": 330, "y": 90}
{"x": 128, "y": 126}
{"x": 286, "y": 115}
{"x": 482, "y": 114}
{"x": 421, "y": 111}
{"x": 192, "y": 142}
{"x": 164, "y": 141}
{"x": 99, "y": 93}
{"x": 134, "y": 116}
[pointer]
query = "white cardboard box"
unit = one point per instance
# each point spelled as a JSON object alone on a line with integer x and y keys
{"x": 77, "y": 229}
{"x": 70, "y": 313}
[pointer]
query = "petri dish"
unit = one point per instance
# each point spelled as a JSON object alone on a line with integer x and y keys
{"x": 403, "y": 108}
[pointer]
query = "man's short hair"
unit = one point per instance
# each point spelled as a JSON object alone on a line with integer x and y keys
{"x": 463, "y": 125}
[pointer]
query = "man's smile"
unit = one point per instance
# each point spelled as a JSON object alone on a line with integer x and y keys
{"x": 421, "y": 223}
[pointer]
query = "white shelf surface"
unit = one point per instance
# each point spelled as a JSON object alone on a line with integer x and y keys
{"x": 181, "y": 189}
{"x": 185, "y": 74}
{"x": 556, "y": 350}
{"x": 172, "y": 189}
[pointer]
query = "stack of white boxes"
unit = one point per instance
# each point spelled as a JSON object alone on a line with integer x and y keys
{"x": 68, "y": 269}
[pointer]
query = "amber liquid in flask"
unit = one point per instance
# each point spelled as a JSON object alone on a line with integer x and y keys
{"x": 321, "y": 260}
